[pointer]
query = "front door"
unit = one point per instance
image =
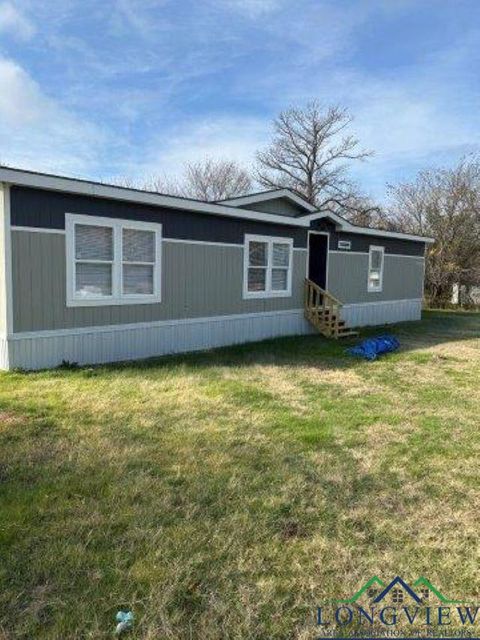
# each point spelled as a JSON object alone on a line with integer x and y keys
{"x": 317, "y": 258}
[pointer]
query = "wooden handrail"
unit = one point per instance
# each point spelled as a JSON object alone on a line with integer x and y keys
{"x": 322, "y": 310}
{"x": 311, "y": 287}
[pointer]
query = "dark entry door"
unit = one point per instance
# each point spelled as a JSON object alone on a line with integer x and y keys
{"x": 317, "y": 259}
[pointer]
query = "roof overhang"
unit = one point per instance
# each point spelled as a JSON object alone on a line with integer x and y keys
{"x": 63, "y": 184}
{"x": 270, "y": 195}
{"x": 348, "y": 227}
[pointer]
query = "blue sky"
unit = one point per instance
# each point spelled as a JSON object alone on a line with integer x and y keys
{"x": 137, "y": 87}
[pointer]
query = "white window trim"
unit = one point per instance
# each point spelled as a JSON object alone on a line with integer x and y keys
{"x": 117, "y": 297}
{"x": 269, "y": 292}
{"x": 379, "y": 288}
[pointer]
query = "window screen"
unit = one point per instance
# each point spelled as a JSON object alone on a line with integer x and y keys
{"x": 94, "y": 260}
{"x": 138, "y": 247}
{"x": 375, "y": 269}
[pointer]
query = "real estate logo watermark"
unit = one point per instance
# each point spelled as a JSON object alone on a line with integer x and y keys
{"x": 398, "y": 610}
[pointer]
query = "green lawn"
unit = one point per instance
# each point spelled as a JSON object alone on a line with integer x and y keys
{"x": 225, "y": 495}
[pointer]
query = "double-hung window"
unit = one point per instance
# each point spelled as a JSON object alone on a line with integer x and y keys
{"x": 375, "y": 268}
{"x": 111, "y": 261}
{"x": 267, "y": 267}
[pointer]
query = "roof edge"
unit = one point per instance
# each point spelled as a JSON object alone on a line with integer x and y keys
{"x": 262, "y": 196}
{"x": 50, "y": 182}
{"x": 349, "y": 227}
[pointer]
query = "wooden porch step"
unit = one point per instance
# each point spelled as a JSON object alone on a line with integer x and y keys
{"x": 322, "y": 310}
{"x": 349, "y": 333}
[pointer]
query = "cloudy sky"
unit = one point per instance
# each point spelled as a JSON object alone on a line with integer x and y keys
{"x": 137, "y": 87}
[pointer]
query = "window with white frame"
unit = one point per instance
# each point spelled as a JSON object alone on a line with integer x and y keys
{"x": 375, "y": 268}
{"x": 267, "y": 266}
{"x": 111, "y": 261}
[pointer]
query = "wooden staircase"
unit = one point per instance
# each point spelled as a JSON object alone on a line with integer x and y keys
{"x": 322, "y": 310}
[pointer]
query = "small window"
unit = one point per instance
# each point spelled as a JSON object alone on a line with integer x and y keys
{"x": 268, "y": 266}
{"x": 346, "y": 245}
{"x": 375, "y": 268}
{"x": 112, "y": 261}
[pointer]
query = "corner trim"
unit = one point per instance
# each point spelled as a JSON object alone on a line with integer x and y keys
{"x": 5, "y": 212}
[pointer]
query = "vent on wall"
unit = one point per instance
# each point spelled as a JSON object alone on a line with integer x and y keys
{"x": 344, "y": 244}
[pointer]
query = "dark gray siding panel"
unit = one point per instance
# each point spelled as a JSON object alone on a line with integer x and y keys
{"x": 362, "y": 242}
{"x": 197, "y": 281}
{"x": 40, "y": 208}
{"x": 280, "y": 206}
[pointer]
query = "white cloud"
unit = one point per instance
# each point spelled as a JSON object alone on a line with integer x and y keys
{"x": 227, "y": 137}
{"x": 14, "y": 23}
{"x": 37, "y": 132}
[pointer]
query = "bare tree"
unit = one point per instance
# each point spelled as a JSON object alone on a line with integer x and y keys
{"x": 310, "y": 153}
{"x": 207, "y": 179}
{"x": 445, "y": 204}
{"x": 212, "y": 180}
{"x": 169, "y": 185}
{"x": 364, "y": 212}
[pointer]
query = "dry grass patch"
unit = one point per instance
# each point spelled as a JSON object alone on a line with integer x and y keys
{"x": 225, "y": 495}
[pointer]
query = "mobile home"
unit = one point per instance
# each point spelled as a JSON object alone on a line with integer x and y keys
{"x": 93, "y": 273}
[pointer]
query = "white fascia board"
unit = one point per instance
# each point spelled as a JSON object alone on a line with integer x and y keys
{"x": 269, "y": 195}
{"x": 352, "y": 228}
{"x": 84, "y": 187}
{"x": 388, "y": 234}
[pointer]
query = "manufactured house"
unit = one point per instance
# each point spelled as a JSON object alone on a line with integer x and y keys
{"x": 93, "y": 273}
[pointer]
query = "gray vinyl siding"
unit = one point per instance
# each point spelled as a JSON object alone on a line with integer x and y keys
{"x": 348, "y": 273}
{"x": 197, "y": 281}
{"x": 280, "y": 206}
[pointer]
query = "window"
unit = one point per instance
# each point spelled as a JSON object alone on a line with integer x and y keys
{"x": 112, "y": 261}
{"x": 375, "y": 268}
{"x": 267, "y": 267}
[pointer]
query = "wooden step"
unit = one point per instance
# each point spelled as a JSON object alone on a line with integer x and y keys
{"x": 348, "y": 333}
{"x": 322, "y": 310}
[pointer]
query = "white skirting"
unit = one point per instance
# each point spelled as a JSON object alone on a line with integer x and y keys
{"x": 3, "y": 353}
{"x": 374, "y": 313}
{"x": 95, "y": 345}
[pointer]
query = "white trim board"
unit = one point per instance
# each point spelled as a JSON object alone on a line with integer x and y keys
{"x": 5, "y": 215}
{"x": 28, "y": 335}
{"x": 264, "y": 196}
{"x": 366, "y": 253}
{"x": 379, "y": 303}
{"x": 38, "y": 230}
{"x": 145, "y": 325}
{"x": 172, "y": 240}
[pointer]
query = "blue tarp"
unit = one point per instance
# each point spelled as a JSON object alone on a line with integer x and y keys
{"x": 373, "y": 347}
